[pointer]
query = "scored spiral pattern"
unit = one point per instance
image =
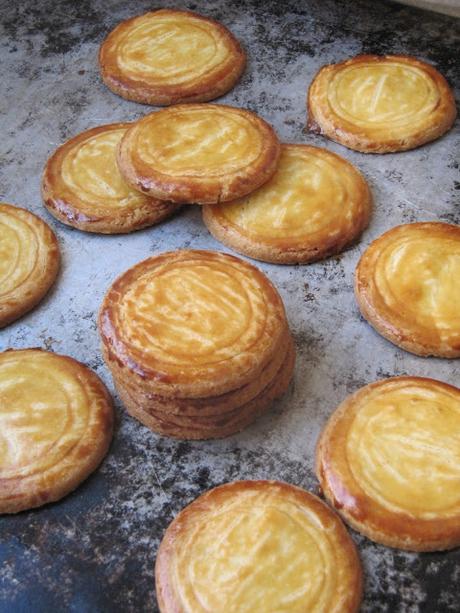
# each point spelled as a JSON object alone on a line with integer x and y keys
{"x": 312, "y": 193}
{"x": 255, "y": 546}
{"x": 29, "y": 261}
{"x": 171, "y": 50}
{"x": 200, "y": 141}
{"x": 386, "y": 93}
{"x": 89, "y": 169}
{"x": 55, "y": 426}
{"x": 404, "y": 450}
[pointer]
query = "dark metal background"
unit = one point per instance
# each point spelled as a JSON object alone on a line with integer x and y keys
{"x": 94, "y": 551}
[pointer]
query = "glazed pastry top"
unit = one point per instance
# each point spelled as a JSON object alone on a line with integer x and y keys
{"x": 313, "y": 192}
{"x": 258, "y": 546}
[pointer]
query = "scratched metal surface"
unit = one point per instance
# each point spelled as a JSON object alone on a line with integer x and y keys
{"x": 95, "y": 550}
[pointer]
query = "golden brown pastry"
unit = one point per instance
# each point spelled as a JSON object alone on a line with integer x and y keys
{"x": 389, "y": 461}
{"x": 198, "y": 153}
{"x": 29, "y": 261}
{"x": 219, "y": 425}
{"x": 55, "y": 427}
{"x": 257, "y": 546}
{"x": 213, "y": 406}
{"x": 378, "y": 104}
{"x": 83, "y": 188}
{"x": 192, "y": 323}
{"x": 315, "y": 205}
{"x": 169, "y": 56}
{"x": 197, "y": 343}
{"x": 406, "y": 285}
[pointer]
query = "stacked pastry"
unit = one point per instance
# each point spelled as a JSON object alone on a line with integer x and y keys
{"x": 197, "y": 343}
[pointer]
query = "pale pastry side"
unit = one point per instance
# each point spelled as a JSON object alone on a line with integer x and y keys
{"x": 212, "y": 426}
{"x": 380, "y": 104}
{"x": 257, "y": 546}
{"x": 83, "y": 188}
{"x": 406, "y": 287}
{"x": 56, "y": 425}
{"x": 389, "y": 461}
{"x": 213, "y": 406}
{"x": 198, "y": 153}
{"x": 29, "y": 261}
{"x": 170, "y": 56}
{"x": 314, "y": 206}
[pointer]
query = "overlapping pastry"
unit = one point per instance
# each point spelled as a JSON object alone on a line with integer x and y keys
{"x": 29, "y": 261}
{"x": 315, "y": 205}
{"x": 378, "y": 104}
{"x": 197, "y": 342}
{"x": 198, "y": 153}
{"x": 55, "y": 427}
{"x": 257, "y": 546}
{"x": 83, "y": 188}
{"x": 389, "y": 461}
{"x": 170, "y": 56}
{"x": 406, "y": 285}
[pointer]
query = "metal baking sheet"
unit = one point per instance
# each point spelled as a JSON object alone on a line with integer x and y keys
{"x": 94, "y": 551}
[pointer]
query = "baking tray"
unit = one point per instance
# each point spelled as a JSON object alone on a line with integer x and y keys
{"x": 95, "y": 550}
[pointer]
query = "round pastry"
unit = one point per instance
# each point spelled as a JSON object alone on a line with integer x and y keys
{"x": 55, "y": 427}
{"x": 29, "y": 261}
{"x": 83, "y": 188}
{"x": 378, "y": 104}
{"x": 389, "y": 461}
{"x": 406, "y": 285}
{"x": 204, "y": 406}
{"x": 199, "y": 153}
{"x": 192, "y": 323}
{"x": 257, "y": 546}
{"x": 215, "y": 426}
{"x": 315, "y": 205}
{"x": 169, "y": 56}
